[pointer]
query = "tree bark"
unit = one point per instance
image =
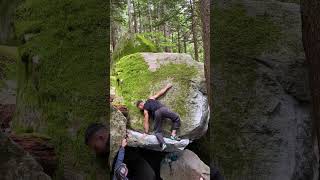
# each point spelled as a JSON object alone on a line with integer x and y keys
{"x": 310, "y": 13}
{"x": 139, "y": 17}
{"x": 185, "y": 43}
{"x": 178, "y": 39}
{"x": 149, "y": 16}
{"x": 166, "y": 32}
{"x": 205, "y": 17}
{"x": 129, "y": 17}
{"x": 194, "y": 32}
{"x": 134, "y": 17}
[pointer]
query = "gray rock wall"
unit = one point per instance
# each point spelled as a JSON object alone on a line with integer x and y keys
{"x": 275, "y": 131}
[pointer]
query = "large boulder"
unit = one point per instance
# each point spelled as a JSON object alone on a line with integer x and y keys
{"x": 17, "y": 164}
{"x": 140, "y": 75}
{"x": 184, "y": 165}
{"x": 130, "y": 44}
{"x": 262, "y": 117}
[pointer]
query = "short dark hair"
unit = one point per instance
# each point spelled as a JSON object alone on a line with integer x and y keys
{"x": 91, "y": 130}
{"x": 138, "y": 102}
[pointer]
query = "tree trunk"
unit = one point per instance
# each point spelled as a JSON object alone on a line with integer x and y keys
{"x": 310, "y": 12}
{"x": 185, "y": 43}
{"x": 166, "y": 32}
{"x": 178, "y": 40}
{"x": 135, "y": 17}
{"x": 194, "y": 33}
{"x": 139, "y": 17}
{"x": 149, "y": 15}
{"x": 172, "y": 41}
{"x": 129, "y": 17}
{"x": 205, "y": 17}
{"x": 113, "y": 36}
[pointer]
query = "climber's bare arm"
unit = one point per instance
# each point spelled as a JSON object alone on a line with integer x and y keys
{"x": 146, "y": 121}
{"x": 161, "y": 92}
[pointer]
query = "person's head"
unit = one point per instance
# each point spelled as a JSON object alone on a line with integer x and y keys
{"x": 121, "y": 172}
{"x": 140, "y": 104}
{"x": 97, "y": 137}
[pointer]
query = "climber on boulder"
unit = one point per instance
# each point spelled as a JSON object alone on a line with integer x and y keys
{"x": 158, "y": 112}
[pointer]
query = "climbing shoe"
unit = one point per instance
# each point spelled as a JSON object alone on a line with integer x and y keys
{"x": 176, "y": 138}
{"x": 163, "y": 147}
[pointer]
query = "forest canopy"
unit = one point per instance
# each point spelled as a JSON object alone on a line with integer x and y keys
{"x": 171, "y": 26}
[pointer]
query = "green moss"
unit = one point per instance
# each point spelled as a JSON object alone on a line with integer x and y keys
{"x": 8, "y": 59}
{"x": 67, "y": 86}
{"x": 137, "y": 82}
{"x": 237, "y": 39}
{"x": 130, "y": 44}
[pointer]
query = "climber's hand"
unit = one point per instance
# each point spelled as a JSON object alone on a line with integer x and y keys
{"x": 169, "y": 85}
{"x": 144, "y": 135}
{"x": 124, "y": 142}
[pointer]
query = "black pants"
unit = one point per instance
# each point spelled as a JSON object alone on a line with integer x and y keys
{"x": 161, "y": 114}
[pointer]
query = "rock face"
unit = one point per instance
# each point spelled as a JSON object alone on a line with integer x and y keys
{"x": 187, "y": 97}
{"x": 117, "y": 132}
{"x": 276, "y": 131}
{"x": 136, "y": 139}
{"x": 184, "y": 165}
{"x": 16, "y": 164}
{"x": 40, "y": 148}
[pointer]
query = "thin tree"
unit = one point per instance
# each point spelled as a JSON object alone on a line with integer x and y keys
{"x": 205, "y": 17}
{"x": 139, "y": 17}
{"x": 193, "y": 29}
{"x": 129, "y": 17}
{"x": 134, "y": 17}
{"x": 149, "y": 15}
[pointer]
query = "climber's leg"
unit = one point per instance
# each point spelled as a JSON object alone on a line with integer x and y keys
{"x": 158, "y": 126}
{"x": 175, "y": 119}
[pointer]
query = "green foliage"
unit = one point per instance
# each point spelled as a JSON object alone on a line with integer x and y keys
{"x": 67, "y": 84}
{"x": 237, "y": 39}
{"x": 152, "y": 17}
{"x": 133, "y": 71}
{"x": 130, "y": 44}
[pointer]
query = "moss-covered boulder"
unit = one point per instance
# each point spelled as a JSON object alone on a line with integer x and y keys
{"x": 61, "y": 80}
{"x": 130, "y": 44}
{"x": 140, "y": 75}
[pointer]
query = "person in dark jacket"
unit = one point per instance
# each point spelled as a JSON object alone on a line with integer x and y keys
{"x": 152, "y": 107}
{"x": 120, "y": 169}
